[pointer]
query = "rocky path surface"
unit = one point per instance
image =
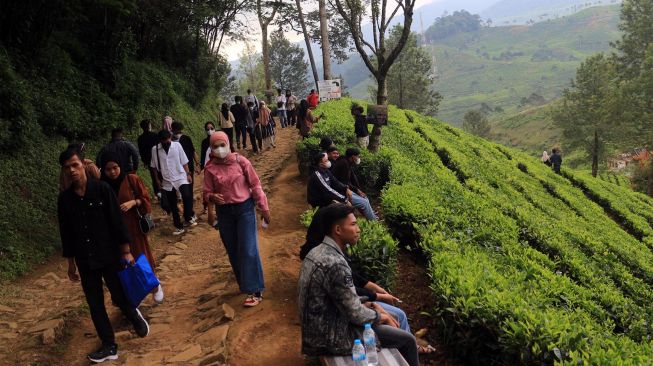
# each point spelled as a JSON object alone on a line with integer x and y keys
{"x": 44, "y": 318}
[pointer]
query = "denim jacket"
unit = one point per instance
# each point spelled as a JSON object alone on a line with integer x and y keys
{"x": 331, "y": 313}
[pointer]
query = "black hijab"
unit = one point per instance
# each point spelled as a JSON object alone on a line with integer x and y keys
{"x": 113, "y": 183}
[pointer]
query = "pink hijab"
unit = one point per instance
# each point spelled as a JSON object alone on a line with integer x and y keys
{"x": 167, "y": 123}
{"x": 221, "y": 136}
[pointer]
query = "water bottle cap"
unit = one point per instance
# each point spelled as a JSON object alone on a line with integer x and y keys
{"x": 357, "y": 341}
{"x": 368, "y": 326}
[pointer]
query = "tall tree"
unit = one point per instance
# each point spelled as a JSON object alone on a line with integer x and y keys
{"x": 590, "y": 108}
{"x": 266, "y": 11}
{"x": 411, "y": 78}
{"x": 637, "y": 27}
{"x": 250, "y": 68}
{"x": 381, "y": 15}
{"x": 287, "y": 65}
{"x": 476, "y": 123}
{"x": 324, "y": 37}
{"x": 307, "y": 40}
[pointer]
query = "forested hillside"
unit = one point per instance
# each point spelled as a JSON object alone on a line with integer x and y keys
{"x": 527, "y": 266}
{"x": 71, "y": 71}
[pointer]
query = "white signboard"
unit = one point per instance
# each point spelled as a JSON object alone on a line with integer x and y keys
{"x": 329, "y": 89}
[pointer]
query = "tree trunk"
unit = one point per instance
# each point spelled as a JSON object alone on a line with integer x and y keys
{"x": 595, "y": 155}
{"x": 308, "y": 42}
{"x": 381, "y": 98}
{"x": 266, "y": 62}
{"x": 326, "y": 47}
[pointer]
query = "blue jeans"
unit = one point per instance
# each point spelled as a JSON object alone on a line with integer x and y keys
{"x": 237, "y": 226}
{"x": 283, "y": 117}
{"x": 398, "y": 314}
{"x": 363, "y": 205}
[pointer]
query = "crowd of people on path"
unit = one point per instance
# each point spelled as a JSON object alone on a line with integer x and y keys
{"x": 102, "y": 203}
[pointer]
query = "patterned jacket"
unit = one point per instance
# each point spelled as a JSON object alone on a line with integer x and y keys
{"x": 330, "y": 312}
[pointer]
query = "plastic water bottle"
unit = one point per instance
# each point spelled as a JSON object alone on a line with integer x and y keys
{"x": 370, "y": 345}
{"x": 358, "y": 353}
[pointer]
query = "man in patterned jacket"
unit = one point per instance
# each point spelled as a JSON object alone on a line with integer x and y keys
{"x": 331, "y": 313}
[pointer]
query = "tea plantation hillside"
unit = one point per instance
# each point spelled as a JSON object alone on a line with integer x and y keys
{"x": 527, "y": 267}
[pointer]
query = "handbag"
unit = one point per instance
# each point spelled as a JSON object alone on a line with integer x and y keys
{"x": 138, "y": 280}
{"x": 145, "y": 222}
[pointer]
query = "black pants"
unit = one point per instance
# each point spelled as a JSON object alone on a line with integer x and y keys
{"x": 256, "y": 138}
{"x": 230, "y": 135}
{"x": 405, "y": 342}
{"x": 241, "y": 130}
{"x": 186, "y": 191}
{"x": 92, "y": 286}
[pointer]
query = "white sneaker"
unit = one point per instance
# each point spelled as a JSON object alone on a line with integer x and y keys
{"x": 178, "y": 231}
{"x": 192, "y": 221}
{"x": 158, "y": 295}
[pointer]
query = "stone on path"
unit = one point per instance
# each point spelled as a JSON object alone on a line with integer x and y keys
{"x": 48, "y": 337}
{"x": 229, "y": 312}
{"x": 49, "y": 324}
{"x": 181, "y": 246}
{"x": 198, "y": 267}
{"x": 214, "y": 338}
{"x": 188, "y": 354}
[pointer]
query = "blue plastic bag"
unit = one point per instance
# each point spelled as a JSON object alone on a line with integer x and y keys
{"x": 138, "y": 280}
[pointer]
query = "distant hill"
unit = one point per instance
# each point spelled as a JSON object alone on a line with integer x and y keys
{"x": 520, "y": 11}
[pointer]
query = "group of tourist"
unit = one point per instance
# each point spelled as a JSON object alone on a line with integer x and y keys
{"x": 554, "y": 161}
{"x": 100, "y": 206}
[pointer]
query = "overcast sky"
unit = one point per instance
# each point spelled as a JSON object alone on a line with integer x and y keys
{"x": 232, "y": 49}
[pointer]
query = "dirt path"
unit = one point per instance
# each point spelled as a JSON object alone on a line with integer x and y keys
{"x": 44, "y": 319}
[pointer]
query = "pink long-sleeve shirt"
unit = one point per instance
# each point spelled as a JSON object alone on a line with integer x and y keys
{"x": 235, "y": 179}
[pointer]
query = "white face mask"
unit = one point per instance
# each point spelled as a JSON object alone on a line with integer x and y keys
{"x": 210, "y": 131}
{"x": 357, "y": 161}
{"x": 221, "y": 152}
{"x": 328, "y": 164}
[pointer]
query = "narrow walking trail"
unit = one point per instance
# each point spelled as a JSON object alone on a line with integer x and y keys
{"x": 44, "y": 318}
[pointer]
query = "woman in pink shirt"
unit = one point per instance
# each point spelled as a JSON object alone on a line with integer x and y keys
{"x": 232, "y": 184}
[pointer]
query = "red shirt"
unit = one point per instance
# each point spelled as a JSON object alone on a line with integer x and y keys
{"x": 312, "y": 100}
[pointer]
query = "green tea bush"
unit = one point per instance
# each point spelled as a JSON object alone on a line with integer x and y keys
{"x": 527, "y": 266}
{"x": 375, "y": 254}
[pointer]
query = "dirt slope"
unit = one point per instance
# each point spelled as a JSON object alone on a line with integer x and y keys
{"x": 202, "y": 320}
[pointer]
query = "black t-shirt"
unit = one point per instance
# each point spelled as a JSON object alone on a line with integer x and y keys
{"x": 146, "y": 142}
{"x": 187, "y": 144}
{"x": 240, "y": 113}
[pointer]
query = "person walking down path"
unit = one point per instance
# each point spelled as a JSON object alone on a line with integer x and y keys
{"x": 291, "y": 108}
{"x": 95, "y": 239}
{"x": 254, "y": 129}
{"x": 267, "y": 125}
{"x": 281, "y": 109}
{"x": 169, "y": 159}
{"x": 227, "y": 120}
{"x": 92, "y": 171}
{"x": 146, "y": 141}
{"x": 239, "y": 110}
{"x": 232, "y": 184}
{"x": 189, "y": 148}
{"x": 126, "y": 151}
{"x": 134, "y": 201}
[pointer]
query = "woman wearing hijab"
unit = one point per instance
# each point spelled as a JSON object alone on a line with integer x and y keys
{"x": 546, "y": 159}
{"x": 232, "y": 184}
{"x": 167, "y": 123}
{"x": 267, "y": 124}
{"x": 133, "y": 198}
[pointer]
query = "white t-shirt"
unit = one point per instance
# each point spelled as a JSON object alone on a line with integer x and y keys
{"x": 172, "y": 165}
{"x": 251, "y": 98}
{"x": 282, "y": 99}
{"x": 291, "y": 102}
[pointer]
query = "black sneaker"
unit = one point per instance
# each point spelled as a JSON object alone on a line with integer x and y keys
{"x": 140, "y": 325}
{"x": 105, "y": 353}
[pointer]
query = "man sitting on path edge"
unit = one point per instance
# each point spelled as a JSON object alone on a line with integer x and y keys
{"x": 330, "y": 312}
